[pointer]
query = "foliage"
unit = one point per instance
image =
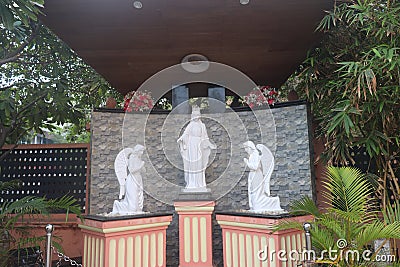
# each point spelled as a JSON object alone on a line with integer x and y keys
{"x": 351, "y": 222}
{"x": 26, "y": 11}
{"x": 164, "y": 104}
{"x": 43, "y": 83}
{"x": 353, "y": 82}
{"x": 12, "y": 213}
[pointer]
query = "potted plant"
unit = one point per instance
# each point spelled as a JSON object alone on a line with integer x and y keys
{"x": 350, "y": 224}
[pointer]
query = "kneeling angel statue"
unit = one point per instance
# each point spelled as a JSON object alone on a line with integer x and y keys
{"x": 128, "y": 165}
{"x": 261, "y": 168}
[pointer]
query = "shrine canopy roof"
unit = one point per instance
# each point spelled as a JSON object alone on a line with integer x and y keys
{"x": 265, "y": 39}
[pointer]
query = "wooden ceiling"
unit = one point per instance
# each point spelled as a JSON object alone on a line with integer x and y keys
{"x": 265, "y": 39}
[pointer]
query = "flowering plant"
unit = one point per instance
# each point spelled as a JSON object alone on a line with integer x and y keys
{"x": 261, "y": 96}
{"x": 138, "y": 101}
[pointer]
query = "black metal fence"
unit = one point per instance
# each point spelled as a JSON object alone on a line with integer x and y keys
{"x": 52, "y": 171}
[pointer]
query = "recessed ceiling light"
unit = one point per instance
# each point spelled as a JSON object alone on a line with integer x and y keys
{"x": 138, "y": 4}
{"x": 244, "y": 2}
{"x": 195, "y": 63}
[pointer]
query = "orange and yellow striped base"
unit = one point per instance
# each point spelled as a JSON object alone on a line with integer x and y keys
{"x": 195, "y": 233}
{"x": 250, "y": 241}
{"x": 138, "y": 242}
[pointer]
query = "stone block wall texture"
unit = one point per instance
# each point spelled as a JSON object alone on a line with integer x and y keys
{"x": 226, "y": 175}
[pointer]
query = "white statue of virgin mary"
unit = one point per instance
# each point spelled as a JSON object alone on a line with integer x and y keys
{"x": 195, "y": 148}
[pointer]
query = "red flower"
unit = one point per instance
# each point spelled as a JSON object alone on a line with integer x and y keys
{"x": 260, "y": 96}
{"x": 138, "y": 101}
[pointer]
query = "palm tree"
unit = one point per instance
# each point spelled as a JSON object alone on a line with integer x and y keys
{"x": 11, "y": 213}
{"x": 351, "y": 223}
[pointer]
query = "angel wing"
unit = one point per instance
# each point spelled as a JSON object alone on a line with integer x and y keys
{"x": 267, "y": 163}
{"x": 121, "y": 167}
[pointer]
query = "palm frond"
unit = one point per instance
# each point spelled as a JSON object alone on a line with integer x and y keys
{"x": 392, "y": 214}
{"x": 322, "y": 238}
{"x": 347, "y": 189}
{"x": 354, "y": 216}
{"x": 39, "y": 205}
{"x": 13, "y": 184}
{"x": 12, "y": 212}
{"x": 25, "y": 205}
{"x": 304, "y": 205}
{"x": 287, "y": 225}
{"x": 378, "y": 230}
{"x": 67, "y": 203}
{"x": 333, "y": 224}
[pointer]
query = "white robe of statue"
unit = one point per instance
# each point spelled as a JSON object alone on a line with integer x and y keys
{"x": 133, "y": 186}
{"x": 261, "y": 168}
{"x": 195, "y": 148}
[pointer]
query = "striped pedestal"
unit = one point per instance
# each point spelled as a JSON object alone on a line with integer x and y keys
{"x": 129, "y": 241}
{"x": 195, "y": 233}
{"x": 248, "y": 241}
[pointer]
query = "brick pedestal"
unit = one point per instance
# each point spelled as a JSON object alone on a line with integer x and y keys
{"x": 195, "y": 233}
{"x": 128, "y": 241}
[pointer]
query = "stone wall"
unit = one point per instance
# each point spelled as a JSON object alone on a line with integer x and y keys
{"x": 226, "y": 174}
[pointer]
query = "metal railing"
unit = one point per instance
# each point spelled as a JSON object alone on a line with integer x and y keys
{"x": 51, "y": 249}
{"x": 49, "y": 231}
{"x": 307, "y": 229}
